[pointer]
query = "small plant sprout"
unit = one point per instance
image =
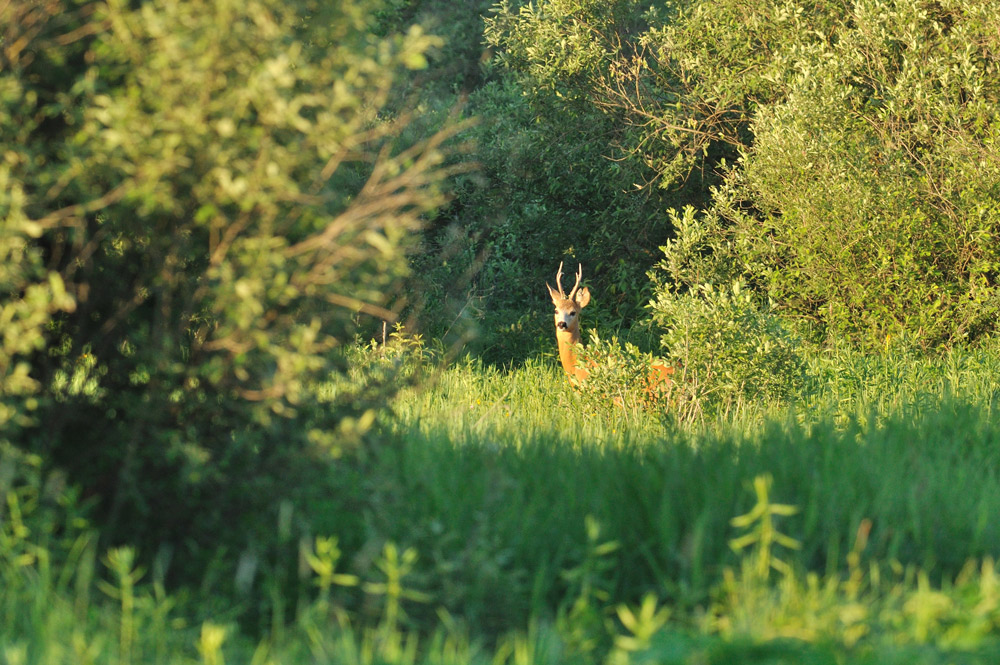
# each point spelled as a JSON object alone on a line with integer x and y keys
{"x": 595, "y": 563}
{"x": 121, "y": 562}
{"x": 584, "y": 618}
{"x": 642, "y": 624}
{"x": 323, "y": 561}
{"x": 762, "y": 532}
{"x": 210, "y": 643}
{"x": 395, "y": 567}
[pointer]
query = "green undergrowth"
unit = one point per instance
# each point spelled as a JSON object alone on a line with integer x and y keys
{"x": 500, "y": 516}
{"x": 920, "y": 462}
{"x": 467, "y": 401}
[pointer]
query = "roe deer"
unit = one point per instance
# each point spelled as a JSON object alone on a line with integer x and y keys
{"x": 567, "y": 319}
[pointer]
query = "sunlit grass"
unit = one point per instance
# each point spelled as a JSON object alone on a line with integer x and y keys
{"x": 504, "y": 517}
{"x": 471, "y": 404}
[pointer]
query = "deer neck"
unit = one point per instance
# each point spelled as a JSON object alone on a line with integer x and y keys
{"x": 567, "y": 341}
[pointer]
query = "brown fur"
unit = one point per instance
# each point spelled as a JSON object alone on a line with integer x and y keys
{"x": 567, "y": 320}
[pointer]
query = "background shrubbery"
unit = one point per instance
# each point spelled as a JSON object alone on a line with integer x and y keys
{"x": 877, "y": 180}
{"x": 202, "y": 197}
{"x": 863, "y": 202}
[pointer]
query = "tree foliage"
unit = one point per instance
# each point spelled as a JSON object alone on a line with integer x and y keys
{"x": 865, "y": 201}
{"x": 878, "y": 177}
{"x": 858, "y": 137}
{"x": 198, "y": 205}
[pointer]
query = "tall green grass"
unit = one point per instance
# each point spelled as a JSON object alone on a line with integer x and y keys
{"x": 517, "y": 462}
{"x": 918, "y": 460}
{"x": 500, "y": 516}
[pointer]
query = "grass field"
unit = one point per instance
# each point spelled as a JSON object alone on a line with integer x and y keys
{"x": 499, "y": 516}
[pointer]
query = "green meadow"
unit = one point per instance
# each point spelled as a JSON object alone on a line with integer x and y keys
{"x": 503, "y": 517}
{"x": 279, "y": 376}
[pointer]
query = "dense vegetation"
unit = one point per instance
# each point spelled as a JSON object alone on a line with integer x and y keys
{"x": 276, "y": 373}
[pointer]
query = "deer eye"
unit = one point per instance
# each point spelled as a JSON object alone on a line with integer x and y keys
{"x": 572, "y": 313}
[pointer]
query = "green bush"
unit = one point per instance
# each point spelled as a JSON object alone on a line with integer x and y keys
{"x": 729, "y": 348}
{"x": 222, "y": 191}
{"x": 878, "y": 176}
{"x": 863, "y": 178}
{"x": 866, "y": 200}
{"x": 620, "y": 376}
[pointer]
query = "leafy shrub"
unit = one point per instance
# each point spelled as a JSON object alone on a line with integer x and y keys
{"x": 728, "y": 347}
{"x": 865, "y": 200}
{"x": 220, "y": 189}
{"x": 621, "y": 376}
{"x": 879, "y": 177}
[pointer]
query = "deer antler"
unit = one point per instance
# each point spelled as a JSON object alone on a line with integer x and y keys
{"x": 579, "y": 276}
{"x": 562, "y": 293}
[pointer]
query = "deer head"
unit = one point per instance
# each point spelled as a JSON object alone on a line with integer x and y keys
{"x": 567, "y": 319}
{"x": 568, "y": 306}
{"x": 658, "y": 380}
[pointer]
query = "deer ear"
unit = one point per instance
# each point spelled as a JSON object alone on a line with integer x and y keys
{"x": 583, "y": 297}
{"x": 556, "y": 297}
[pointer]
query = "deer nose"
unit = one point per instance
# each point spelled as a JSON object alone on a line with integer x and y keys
{"x": 561, "y": 325}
